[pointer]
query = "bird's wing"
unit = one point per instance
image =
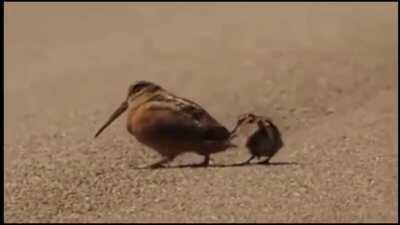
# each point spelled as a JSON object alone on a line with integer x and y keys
{"x": 213, "y": 130}
{"x": 194, "y": 116}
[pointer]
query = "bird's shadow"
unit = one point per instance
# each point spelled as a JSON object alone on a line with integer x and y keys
{"x": 218, "y": 165}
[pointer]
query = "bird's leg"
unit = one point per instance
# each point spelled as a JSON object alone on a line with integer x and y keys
{"x": 265, "y": 161}
{"x": 161, "y": 163}
{"x": 248, "y": 161}
{"x": 206, "y": 161}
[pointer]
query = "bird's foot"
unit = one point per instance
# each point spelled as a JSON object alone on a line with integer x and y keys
{"x": 156, "y": 166}
{"x": 160, "y": 164}
{"x": 247, "y": 161}
{"x": 264, "y": 161}
{"x": 151, "y": 166}
{"x": 206, "y": 161}
{"x": 243, "y": 163}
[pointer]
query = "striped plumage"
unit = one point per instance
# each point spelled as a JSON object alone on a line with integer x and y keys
{"x": 265, "y": 141}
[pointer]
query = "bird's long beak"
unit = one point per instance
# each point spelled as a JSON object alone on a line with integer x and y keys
{"x": 114, "y": 116}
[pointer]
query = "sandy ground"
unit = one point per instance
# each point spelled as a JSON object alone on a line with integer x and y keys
{"x": 324, "y": 72}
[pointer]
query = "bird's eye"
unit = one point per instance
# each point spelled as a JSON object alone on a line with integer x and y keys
{"x": 137, "y": 87}
{"x": 252, "y": 118}
{"x": 132, "y": 89}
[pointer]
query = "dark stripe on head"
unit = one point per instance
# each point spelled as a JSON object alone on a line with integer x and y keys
{"x": 140, "y": 85}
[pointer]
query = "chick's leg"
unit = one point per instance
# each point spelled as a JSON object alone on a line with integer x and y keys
{"x": 248, "y": 161}
{"x": 265, "y": 161}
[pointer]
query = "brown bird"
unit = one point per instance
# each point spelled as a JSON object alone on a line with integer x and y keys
{"x": 265, "y": 141}
{"x": 170, "y": 125}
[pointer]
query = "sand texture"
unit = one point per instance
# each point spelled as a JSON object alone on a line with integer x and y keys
{"x": 325, "y": 73}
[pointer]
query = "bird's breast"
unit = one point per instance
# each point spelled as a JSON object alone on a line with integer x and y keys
{"x": 140, "y": 120}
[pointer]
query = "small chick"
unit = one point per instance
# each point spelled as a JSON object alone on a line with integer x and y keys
{"x": 265, "y": 141}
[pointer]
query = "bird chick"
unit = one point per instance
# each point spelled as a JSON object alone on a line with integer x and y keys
{"x": 265, "y": 141}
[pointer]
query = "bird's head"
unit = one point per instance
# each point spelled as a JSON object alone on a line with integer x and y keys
{"x": 247, "y": 118}
{"x": 135, "y": 91}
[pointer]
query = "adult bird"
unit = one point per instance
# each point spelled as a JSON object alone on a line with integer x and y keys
{"x": 169, "y": 124}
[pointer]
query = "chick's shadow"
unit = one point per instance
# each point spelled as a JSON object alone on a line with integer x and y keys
{"x": 220, "y": 165}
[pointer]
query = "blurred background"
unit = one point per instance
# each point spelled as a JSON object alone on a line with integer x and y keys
{"x": 324, "y": 72}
